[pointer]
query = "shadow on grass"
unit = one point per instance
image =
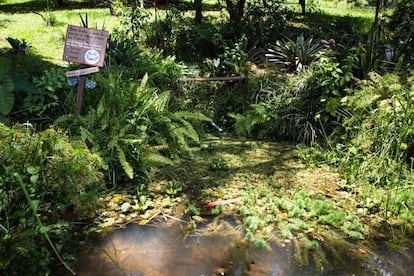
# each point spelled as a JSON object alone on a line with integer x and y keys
{"x": 226, "y": 167}
{"x": 41, "y": 5}
{"x": 345, "y": 29}
{"x": 26, "y": 66}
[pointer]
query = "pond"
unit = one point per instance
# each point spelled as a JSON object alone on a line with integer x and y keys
{"x": 166, "y": 250}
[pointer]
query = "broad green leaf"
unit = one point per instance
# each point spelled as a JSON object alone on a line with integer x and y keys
{"x": 5, "y": 66}
{"x": 6, "y": 94}
{"x": 35, "y": 204}
{"x": 34, "y": 178}
{"x": 32, "y": 170}
{"x": 44, "y": 229}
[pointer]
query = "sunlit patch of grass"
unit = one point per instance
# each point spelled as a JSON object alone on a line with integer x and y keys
{"x": 48, "y": 41}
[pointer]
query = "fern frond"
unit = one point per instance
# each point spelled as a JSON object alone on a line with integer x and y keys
{"x": 133, "y": 141}
{"x": 192, "y": 115}
{"x": 63, "y": 119}
{"x": 180, "y": 136}
{"x": 189, "y": 131}
{"x": 101, "y": 107}
{"x": 240, "y": 125}
{"x": 144, "y": 81}
{"x": 156, "y": 158}
{"x": 124, "y": 163}
{"x": 157, "y": 147}
{"x": 86, "y": 135}
{"x": 161, "y": 101}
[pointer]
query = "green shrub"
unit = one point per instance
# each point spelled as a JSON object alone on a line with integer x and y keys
{"x": 50, "y": 99}
{"x": 374, "y": 145}
{"x": 132, "y": 126}
{"x": 264, "y": 23}
{"x": 133, "y": 62}
{"x": 379, "y": 128}
{"x": 61, "y": 178}
{"x": 303, "y": 108}
{"x": 402, "y": 27}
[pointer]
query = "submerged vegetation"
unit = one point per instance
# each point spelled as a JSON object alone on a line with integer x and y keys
{"x": 308, "y": 141}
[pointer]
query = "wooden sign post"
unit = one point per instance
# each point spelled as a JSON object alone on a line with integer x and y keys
{"x": 87, "y": 47}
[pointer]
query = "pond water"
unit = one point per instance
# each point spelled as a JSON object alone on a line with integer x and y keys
{"x": 151, "y": 251}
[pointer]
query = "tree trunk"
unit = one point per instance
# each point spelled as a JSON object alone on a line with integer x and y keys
{"x": 235, "y": 10}
{"x": 302, "y": 3}
{"x": 198, "y": 14}
{"x": 374, "y": 32}
{"x": 112, "y": 7}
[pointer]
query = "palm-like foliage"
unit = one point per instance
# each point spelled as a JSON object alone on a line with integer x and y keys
{"x": 294, "y": 55}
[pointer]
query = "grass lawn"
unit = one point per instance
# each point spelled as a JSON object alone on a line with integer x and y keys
{"x": 48, "y": 41}
{"x": 19, "y": 20}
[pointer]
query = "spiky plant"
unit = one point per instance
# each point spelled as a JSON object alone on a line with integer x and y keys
{"x": 294, "y": 55}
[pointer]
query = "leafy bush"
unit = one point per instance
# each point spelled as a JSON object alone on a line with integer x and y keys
{"x": 133, "y": 62}
{"x": 132, "y": 127}
{"x": 264, "y": 23}
{"x": 402, "y": 27}
{"x": 346, "y": 30}
{"x": 61, "y": 178}
{"x": 197, "y": 42}
{"x": 303, "y": 108}
{"x": 123, "y": 51}
{"x": 374, "y": 146}
{"x": 378, "y": 125}
{"x": 43, "y": 99}
{"x": 234, "y": 61}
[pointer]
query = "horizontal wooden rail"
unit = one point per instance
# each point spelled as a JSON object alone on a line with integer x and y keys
{"x": 206, "y": 79}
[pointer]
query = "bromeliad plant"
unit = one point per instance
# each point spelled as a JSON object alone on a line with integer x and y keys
{"x": 19, "y": 46}
{"x": 294, "y": 55}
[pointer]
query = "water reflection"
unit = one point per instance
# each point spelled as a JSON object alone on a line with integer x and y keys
{"x": 155, "y": 251}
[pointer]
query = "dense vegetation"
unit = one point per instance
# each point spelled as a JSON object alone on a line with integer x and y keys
{"x": 340, "y": 87}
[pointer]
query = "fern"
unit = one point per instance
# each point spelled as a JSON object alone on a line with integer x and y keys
{"x": 161, "y": 101}
{"x": 131, "y": 124}
{"x": 245, "y": 123}
{"x": 156, "y": 158}
{"x": 129, "y": 171}
{"x": 192, "y": 115}
{"x": 189, "y": 131}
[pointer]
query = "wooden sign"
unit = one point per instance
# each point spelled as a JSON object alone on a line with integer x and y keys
{"x": 82, "y": 72}
{"x": 85, "y": 45}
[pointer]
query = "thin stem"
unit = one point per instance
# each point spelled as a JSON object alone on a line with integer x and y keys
{"x": 42, "y": 227}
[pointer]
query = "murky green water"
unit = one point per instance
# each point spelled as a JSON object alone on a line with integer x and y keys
{"x": 149, "y": 250}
